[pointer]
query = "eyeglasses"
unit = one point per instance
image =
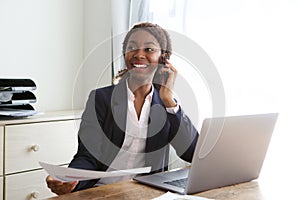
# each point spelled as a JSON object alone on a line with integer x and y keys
{"x": 148, "y": 50}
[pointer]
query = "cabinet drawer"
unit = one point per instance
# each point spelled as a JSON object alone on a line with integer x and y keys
{"x": 1, "y": 151}
{"x": 27, "y": 144}
{"x": 27, "y": 186}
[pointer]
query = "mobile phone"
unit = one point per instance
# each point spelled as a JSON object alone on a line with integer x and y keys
{"x": 165, "y": 74}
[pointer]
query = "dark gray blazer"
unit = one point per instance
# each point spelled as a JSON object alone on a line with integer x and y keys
{"x": 102, "y": 132}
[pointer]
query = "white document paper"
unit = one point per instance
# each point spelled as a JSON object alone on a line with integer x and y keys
{"x": 66, "y": 174}
{"x": 173, "y": 196}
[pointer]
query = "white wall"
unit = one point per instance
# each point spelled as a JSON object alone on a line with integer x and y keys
{"x": 47, "y": 41}
{"x": 95, "y": 69}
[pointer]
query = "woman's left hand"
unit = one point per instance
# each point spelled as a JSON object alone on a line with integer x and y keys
{"x": 166, "y": 89}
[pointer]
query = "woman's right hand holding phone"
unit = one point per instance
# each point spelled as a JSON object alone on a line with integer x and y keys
{"x": 168, "y": 73}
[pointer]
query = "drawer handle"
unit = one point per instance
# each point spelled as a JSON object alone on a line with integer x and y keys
{"x": 35, "y": 148}
{"x": 35, "y": 195}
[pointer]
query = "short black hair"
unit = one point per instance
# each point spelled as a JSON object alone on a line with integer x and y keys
{"x": 160, "y": 34}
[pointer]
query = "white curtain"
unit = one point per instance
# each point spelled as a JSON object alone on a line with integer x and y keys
{"x": 169, "y": 14}
{"x": 139, "y": 11}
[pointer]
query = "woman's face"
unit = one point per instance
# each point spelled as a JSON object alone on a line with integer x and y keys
{"x": 142, "y": 55}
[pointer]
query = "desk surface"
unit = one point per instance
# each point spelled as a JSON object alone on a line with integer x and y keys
{"x": 130, "y": 190}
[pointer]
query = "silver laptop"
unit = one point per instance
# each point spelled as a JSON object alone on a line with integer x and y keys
{"x": 230, "y": 150}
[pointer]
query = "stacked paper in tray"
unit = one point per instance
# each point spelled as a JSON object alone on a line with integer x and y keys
{"x": 16, "y": 97}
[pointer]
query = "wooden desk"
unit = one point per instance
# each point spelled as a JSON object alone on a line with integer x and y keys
{"x": 130, "y": 190}
{"x": 279, "y": 178}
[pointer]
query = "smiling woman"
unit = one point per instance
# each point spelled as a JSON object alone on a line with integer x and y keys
{"x": 133, "y": 123}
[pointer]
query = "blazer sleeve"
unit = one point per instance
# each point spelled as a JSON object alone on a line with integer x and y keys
{"x": 183, "y": 135}
{"x": 83, "y": 159}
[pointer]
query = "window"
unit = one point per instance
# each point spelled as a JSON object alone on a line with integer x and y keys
{"x": 255, "y": 47}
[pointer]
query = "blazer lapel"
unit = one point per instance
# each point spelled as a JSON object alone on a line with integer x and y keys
{"x": 157, "y": 146}
{"x": 115, "y": 133}
{"x": 119, "y": 112}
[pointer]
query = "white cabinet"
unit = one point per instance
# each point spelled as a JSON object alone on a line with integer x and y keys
{"x": 50, "y": 137}
{"x": 27, "y": 186}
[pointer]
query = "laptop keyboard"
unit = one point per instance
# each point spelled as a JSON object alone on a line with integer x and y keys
{"x": 179, "y": 182}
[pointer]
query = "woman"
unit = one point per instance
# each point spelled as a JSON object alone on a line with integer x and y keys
{"x": 132, "y": 123}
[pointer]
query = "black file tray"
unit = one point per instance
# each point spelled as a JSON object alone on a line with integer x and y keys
{"x": 15, "y": 98}
{"x": 16, "y": 111}
{"x": 18, "y": 98}
{"x": 17, "y": 84}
